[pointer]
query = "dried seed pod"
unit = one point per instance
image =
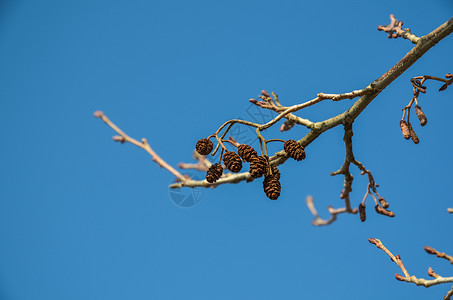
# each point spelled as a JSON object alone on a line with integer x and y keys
{"x": 258, "y": 166}
{"x": 246, "y": 152}
{"x": 383, "y": 211}
{"x": 232, "y": 161}
{"x": 215, "y": 172}
{"x": 204, "y": 146}
{"x": 362, "y": 212}
{"x": 405, "y": 129}
{"x": 421, "y": 115}
{"x": 383, "y": 202}
{"x": 275, "y": 172}
{"x": 294, "y": 150}
{"x": 272, "y": 187}
{"x": 414, "y": 136}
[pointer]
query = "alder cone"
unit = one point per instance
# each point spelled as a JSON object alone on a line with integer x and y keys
{"x": 405, "y": 129}
{"x": 258, "y": 166}
{"x": 246, "y": 152}
{"x": 215, "y": 172}
{"x": 232, "y": 161}
{"x": 294, "y": 150}
{"x": 421, "y": 115}
{"x": 204, "y": 146}
{"x": 272, "y": 187}
{"x": 275, "y": 172}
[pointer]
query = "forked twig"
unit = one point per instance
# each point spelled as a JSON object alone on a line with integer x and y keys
{"x": 412, "y": 279}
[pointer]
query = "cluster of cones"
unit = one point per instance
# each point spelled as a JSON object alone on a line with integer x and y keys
{"x": 259, "y": 164}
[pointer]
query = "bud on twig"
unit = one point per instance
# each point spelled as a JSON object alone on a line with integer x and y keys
{"x": 265, "y": 93}
{"x": 399, "y": 277}
{"x": 287, "y": 125}
{"x": 432, "y": 273}
{"x": 430, "y": 250}
{"x": 421, "y": 115}
{"x": 405, "y": 129}
{"x": 98, "y": 114}
{"x": 118, "y": 138}
{"x": 373, "y": 241}
{"x": 362, "y": 212}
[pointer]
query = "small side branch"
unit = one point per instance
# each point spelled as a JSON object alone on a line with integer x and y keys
{"x": 350, "y": 95}
{"x": 395, "y": 30}
{"x": 412, "y": 279}
{"x": 318, "y": 221}
{"x": 123, "y": 137}
{"x": 380, "y": 203}
{"x": 433, "y": 251}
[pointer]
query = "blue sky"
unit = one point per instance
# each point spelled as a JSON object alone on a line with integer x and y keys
{"x": 84, "y": 218}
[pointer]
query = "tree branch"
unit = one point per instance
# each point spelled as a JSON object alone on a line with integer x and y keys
{"x": 373, "y": 90}
{"x": 123, "y": 137}
{"x": 412, "y": 279}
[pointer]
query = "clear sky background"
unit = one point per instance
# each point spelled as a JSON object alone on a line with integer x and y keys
{"x": 82, "y": 217}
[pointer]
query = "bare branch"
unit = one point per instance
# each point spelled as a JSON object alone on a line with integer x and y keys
{"x": 143, "y": 144}
{"x": 407, "y": 277}
{"x": 318, "y": 221}
{"x": 433, "y": 251}
{"x": 423, "y": 45}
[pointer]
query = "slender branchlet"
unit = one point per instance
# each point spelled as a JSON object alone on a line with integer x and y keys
{"x": 412, "y": 279}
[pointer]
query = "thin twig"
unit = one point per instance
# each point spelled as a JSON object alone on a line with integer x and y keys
{"x": 407, "y": 277}
{"x": 143, "y": 144}
{"x": 318, "y": 221}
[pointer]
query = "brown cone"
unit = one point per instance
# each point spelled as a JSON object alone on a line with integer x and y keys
{"x": 294, "y": 150}
{"x": 405, "y": 129}
{"x": 215, "y": 172}
{"x": 204, "y": 146}
{"x": 246, "y": 152}
{"x": 272, "y": 187}
{"x": 232, "y": 161}
{"x": 275, "y": 172}
{"x": 258, "y": 166}
{"x": 421, "y": 115}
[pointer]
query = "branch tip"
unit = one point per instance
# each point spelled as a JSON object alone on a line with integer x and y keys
{"x": 98, "y": 114}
